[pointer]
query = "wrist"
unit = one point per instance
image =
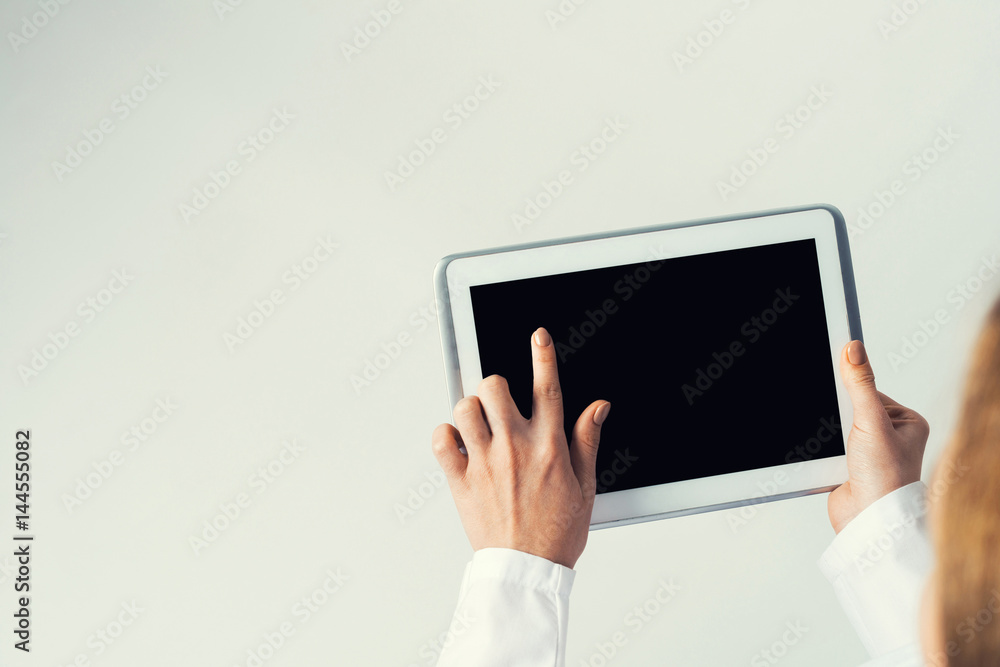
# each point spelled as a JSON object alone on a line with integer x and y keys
{"x": 521, "y": 568}
{"x": 843, "y": 513}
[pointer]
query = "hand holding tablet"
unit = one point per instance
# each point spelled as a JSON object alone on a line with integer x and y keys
{"x": 885, "y": 447}
{"x": 718, "y": 341}
{"x": 518, "y": 487}
{"x": 526, "y": 473}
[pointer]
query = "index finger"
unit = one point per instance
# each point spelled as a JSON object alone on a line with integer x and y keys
{"x": 546, "y": 395}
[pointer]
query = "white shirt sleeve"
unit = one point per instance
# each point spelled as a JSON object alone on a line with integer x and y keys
{"x": 513, "y": 609}
{"x": 878, "y": 565}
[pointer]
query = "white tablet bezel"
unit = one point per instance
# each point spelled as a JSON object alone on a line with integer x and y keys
{"x": 456, "y": 273}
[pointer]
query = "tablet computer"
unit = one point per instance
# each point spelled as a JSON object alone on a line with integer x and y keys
{"x": 717, "y": 342}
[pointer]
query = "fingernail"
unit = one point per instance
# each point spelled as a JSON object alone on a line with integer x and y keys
{"x": 856, "y": 352}
{"x": 542, "y": 337}
{"x": 602, "y": 413}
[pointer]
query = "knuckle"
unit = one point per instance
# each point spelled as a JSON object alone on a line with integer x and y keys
{"x": 549, "y": 390}
{"x": 865, "y": 378}
{"x": 925, "y": 427}
{"x": 440, "y": 439}
{"x": 549, "y": 451}
{"x": 493, "y": 384}
{"x": 589, "y": 441}
{"x": 466, "y": 407}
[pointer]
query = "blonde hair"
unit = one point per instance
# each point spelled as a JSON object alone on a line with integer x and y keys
{"x": 968, "y": 516}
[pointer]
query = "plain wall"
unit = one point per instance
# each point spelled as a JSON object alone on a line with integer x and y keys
{"x": 365, "y": 449}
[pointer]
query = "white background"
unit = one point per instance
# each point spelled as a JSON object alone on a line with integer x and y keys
{"x": 366, "y": 449}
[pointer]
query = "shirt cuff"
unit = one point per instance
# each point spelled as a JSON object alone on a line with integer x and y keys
{"x": 878, "y": 566}
{"x": 886, "y": 519}
{"x": 518, "y": 568}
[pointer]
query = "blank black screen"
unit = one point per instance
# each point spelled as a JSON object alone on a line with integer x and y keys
{"x": 713, "y": 363}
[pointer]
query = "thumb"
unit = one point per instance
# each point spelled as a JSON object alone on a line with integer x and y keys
{"x": 859, "y": 379}
{"x": 583, "y": 448}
